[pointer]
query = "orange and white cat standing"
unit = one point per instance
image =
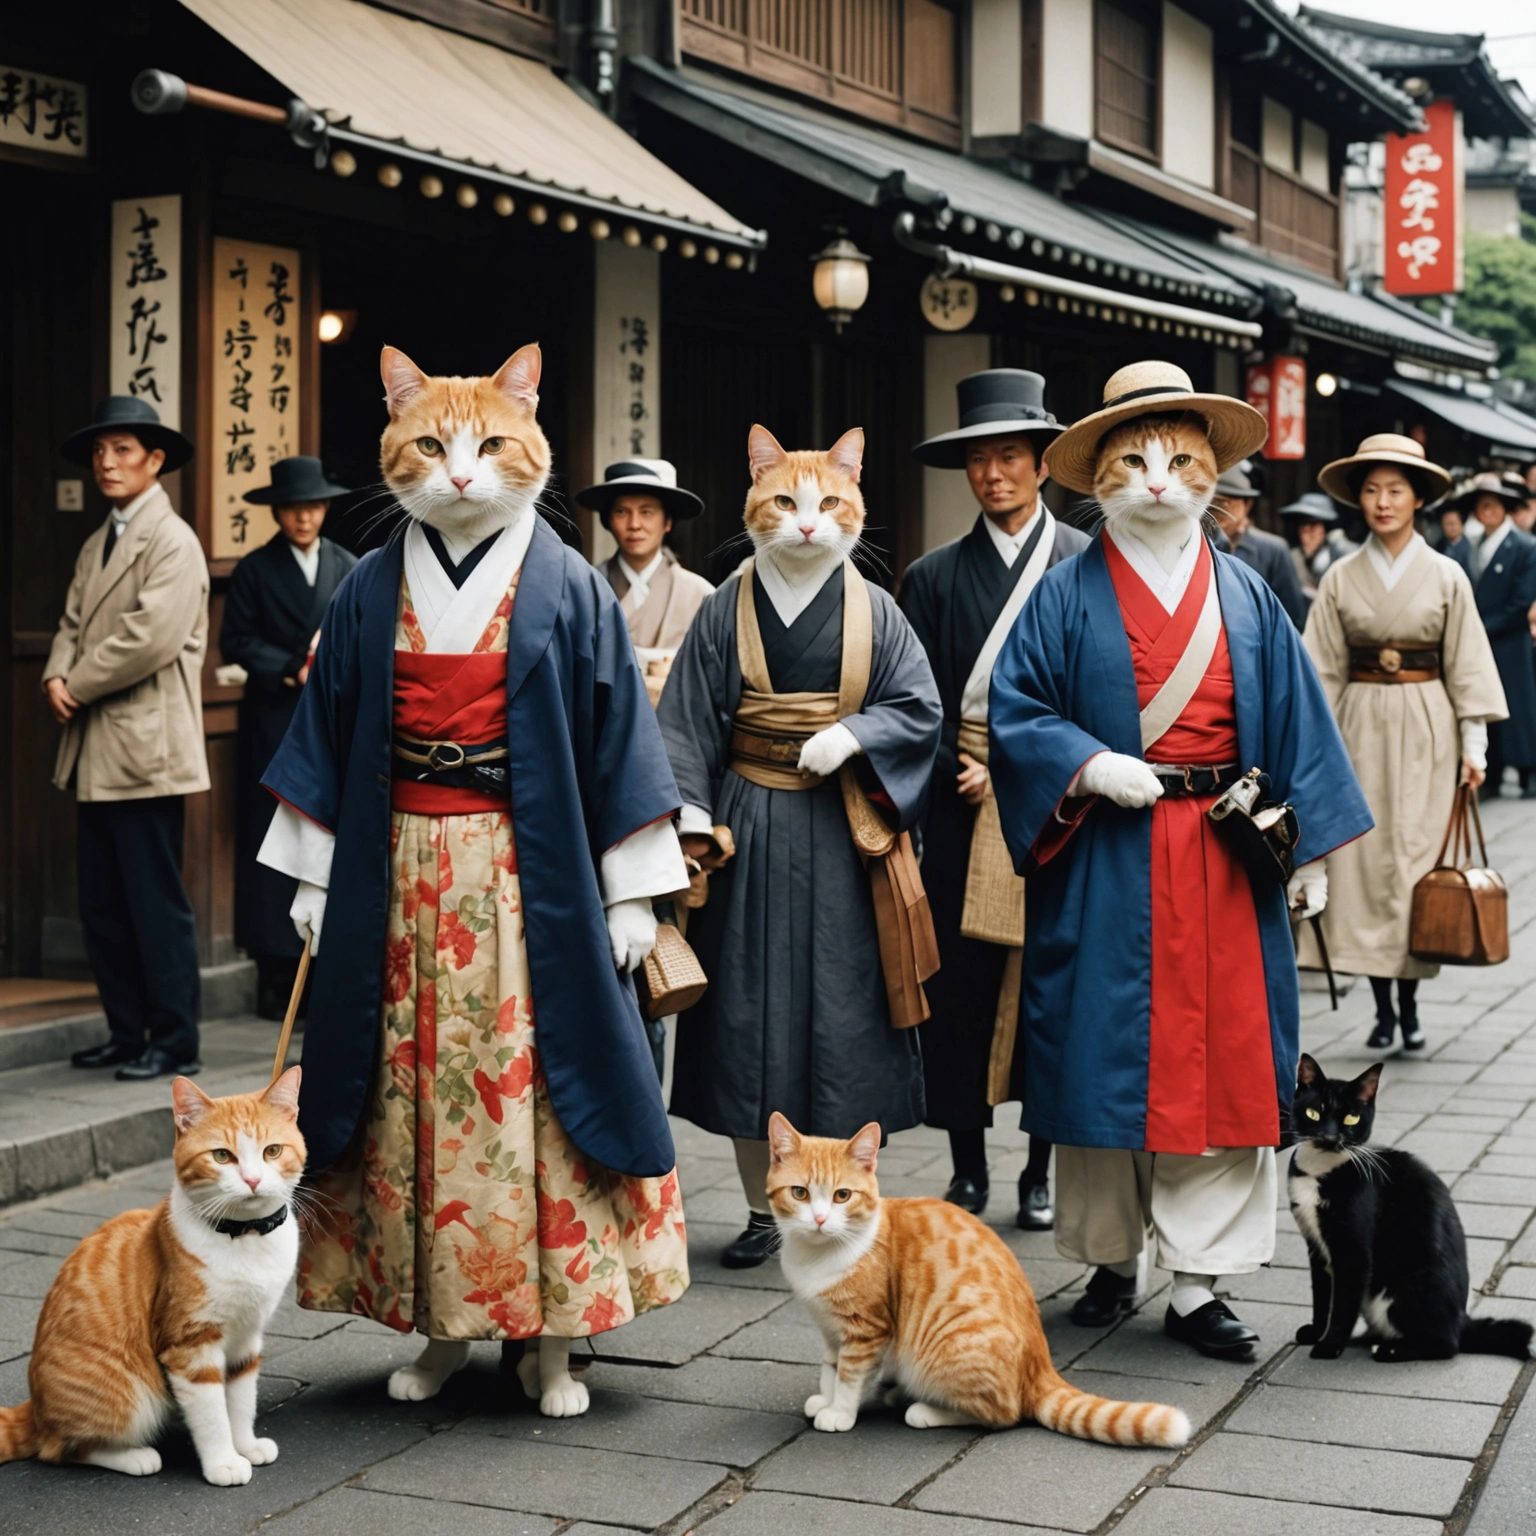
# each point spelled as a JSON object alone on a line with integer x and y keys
{"x": 475, "y": 763}
{"x": 796, "y": 666}
{"x": 921, "y": 1299}
{"x": 164, "y": 1309}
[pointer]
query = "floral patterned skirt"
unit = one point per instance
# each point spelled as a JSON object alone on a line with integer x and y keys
{"x": 462, "y": 1210}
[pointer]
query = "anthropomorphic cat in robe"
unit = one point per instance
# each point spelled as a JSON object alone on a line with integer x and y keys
{"x": 794, "y": 668}
{"x": 476, "y": 771}
{"x": 1160, "y": 1008}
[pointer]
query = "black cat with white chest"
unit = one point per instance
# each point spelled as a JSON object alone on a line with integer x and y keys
{"x": 1382, "y": 1234}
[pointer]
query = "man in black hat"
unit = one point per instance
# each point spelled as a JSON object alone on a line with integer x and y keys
{"x": 272, "y": 614}
{"x": 962, "y": 599}
{"x": 1232, "y": 505}
{"x": 124, "y": 679}
{"x": 1319, "y": 539}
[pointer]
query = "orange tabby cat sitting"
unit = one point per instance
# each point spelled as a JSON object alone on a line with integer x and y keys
{"x": 167, "y": 1306}
{"x": 920, "y": 1296}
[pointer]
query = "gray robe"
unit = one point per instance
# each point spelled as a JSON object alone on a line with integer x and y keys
{"x": 795, "y": 1018}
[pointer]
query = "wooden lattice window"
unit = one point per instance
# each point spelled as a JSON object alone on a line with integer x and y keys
{"x": 1126, "y": 76}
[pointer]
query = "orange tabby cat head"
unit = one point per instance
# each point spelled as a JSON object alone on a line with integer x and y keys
{"x": 805, "y": 503}
{"x": 236, "y": 1154}
{"x": 1155, "y": 469}
{"x": 820, "y": 1187}
{"x": 465, "y": 455}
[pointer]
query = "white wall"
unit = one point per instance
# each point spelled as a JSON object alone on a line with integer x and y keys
{"x": 1066, "y": 70}
{"x": 997, "y": 62}
{"x": 1188, "y": 98}
{"x": 1494, "y": 211}
{"x": 949, "y": 509}
{"x": 1278, "y": 142}
{"x": 1314, "y": 155}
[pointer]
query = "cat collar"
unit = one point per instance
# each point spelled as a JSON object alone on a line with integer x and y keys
{"x": 261, "y": 1225}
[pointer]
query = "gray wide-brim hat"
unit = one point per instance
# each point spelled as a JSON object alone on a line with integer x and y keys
{"x": 1235, "y": 483}
{"x": 127, "y": 413}
{"x": 1311, "y": 507}
{"x": 295, "y": 480}
{"x": 998, "y": 402}
{"x": 641, "y": 477}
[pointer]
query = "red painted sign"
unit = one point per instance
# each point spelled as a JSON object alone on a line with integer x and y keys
{"x": 1277, "y": 389}
{"x": 1425, "y": 200}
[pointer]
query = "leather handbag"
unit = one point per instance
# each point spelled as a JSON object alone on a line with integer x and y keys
{"x": 1461, "y": 909}
{"x": 671, "y": 979}
{"x": 1262, "y": 833}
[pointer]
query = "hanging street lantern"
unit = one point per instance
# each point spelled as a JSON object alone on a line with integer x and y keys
{"x": 840, "y": 281}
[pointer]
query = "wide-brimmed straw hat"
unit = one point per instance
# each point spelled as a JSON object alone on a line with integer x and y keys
{"x": 641, "y": 477}
{"x": 1385, "y": 448}
{"x": 295, "y": 481}
{"x": 1234, "y": 428}
{"x": 997, "y": 402}
{"x": 127, "y": 413}
{"x": 1487, "y": 484}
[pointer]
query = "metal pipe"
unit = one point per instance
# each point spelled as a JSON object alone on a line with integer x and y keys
{"x": 235, "y": 106}
{"x": 952, "y": 262}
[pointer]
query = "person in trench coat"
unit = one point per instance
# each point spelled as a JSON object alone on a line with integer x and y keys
{"x": 272, "y": 615}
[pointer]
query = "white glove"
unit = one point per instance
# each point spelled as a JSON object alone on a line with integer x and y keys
{"x": 828, "y": 750}
{"x": 1307, "y": 893}
{"x": 1126, "y": 780}
{"x": 631, "y": 932}
{"x": 308, "y": 913}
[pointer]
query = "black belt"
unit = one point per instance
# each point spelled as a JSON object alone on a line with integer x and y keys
{"x": 1180, "y": 779}
{"x": 480, "y": 765}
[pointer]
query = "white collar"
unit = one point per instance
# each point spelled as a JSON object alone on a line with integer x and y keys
{"x": 309, "y": 559}
{"x": 122, "y": 516}
{"x": 1008, "y": 545}
{"x": 1168, "y": 587}
{"x": 639, "y": 581}
{"x": 792, "y": 585}
{"x": 1389, "y": 569}
{"x": 1491, "y": 541}
{"x": 453, "y": 618}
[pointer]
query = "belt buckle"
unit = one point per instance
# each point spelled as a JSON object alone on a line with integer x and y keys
{"x": 1189, "y": 786}
{"x": 441, "y": 755}
{"x": 1390, "y": 660}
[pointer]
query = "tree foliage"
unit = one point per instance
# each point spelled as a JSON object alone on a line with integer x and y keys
{"x": 1499, "y": 299}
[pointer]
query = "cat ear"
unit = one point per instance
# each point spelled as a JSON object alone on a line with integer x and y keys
{"x": 763, "y": 451}
{"x": 865, "y": 1147}
{"x": 1366, "y": 1084}
{"x": 783, "y": 1138}
{"x": 518, "y": 377}
{"x": 403, "y": 380}
{"x": 283, "y": 1095}
{"x": 848, "y": 452}
{"x": 188, "y": 1103}
{"x": 1307, "y": 1072}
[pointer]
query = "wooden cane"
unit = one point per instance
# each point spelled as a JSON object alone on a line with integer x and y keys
{"x": 292, "y": 1014}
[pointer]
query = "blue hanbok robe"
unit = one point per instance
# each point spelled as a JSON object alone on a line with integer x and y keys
{"x": 1064, "y": 689}
{"x": 588, "y": 769}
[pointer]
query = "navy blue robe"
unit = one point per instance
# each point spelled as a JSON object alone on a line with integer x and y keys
{"x": 1064, "y": 689}
{"x": 588, "y": 769}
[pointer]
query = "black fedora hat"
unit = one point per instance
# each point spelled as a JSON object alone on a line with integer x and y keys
{"x": 1311, "y": 507}
{"x": 293, "y": 480}
{"x": 126, "y": 413}
{"x": 999, "y": 402}
{"x": 641, "y": 477}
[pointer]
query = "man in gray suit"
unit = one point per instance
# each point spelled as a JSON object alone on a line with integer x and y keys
{"x": 1268, "y": 555}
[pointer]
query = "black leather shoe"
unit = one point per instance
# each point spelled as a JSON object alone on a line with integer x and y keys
{"x": 112, "y": 1054}
{"x": 754, "y": 1245}
{"x": 967, "y": 1193}
{"x": 1381, "y": 1038}
{"x": 1035, "y": 1212}
{"x": 157, "y": 1063}
{"x": 1109, "y": 1297}
{"x": 1214, "y": 1330}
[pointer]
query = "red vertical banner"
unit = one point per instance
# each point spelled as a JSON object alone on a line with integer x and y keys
{"x": 1277, "y": 389}
{"x": 1424, "y": 205}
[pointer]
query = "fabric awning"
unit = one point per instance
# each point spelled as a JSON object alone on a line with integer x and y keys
{"x": 1509, "y": 434}
{"x": 420, "y": 92}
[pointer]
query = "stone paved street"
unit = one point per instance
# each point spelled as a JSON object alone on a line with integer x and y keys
{"x": 696, "y": 1422}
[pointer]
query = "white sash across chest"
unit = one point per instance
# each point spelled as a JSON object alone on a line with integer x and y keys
{"x": 973, "y": 699}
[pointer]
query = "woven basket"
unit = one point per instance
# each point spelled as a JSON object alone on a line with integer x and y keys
{"x": 671, "y": 979}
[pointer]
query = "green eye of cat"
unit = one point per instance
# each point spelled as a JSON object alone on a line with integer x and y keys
{"x": 223, "y": 1155}
{"x": 273, "y": 1152}
{"x": 493, "y": 445}
{"x": 1351, "y": 1119}
{"x": 800, "y": 1192}
{"x": 828, "y": 502}
{"x": 1179, "y": 460}
{"x": 429, "y": 446}
{"x": 1135, "y": 461}
{"x": 842, "y": 1196}
{"x": 1312, "y": 1114}
{"x": 784, "y": 503}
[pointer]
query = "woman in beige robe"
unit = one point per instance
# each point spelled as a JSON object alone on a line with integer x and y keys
{"x": 1406, "y": 664}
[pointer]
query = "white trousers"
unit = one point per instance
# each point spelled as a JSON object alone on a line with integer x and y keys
{"x": 1210, "y": 1215}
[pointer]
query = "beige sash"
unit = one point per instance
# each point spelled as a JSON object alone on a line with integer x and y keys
{"x": 1168, "y": 703}
{"x": 768, "y": 731}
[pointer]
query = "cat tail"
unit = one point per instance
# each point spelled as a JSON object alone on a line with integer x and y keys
{"x": 18, "y": 1437}
{"x": 1068, "y": 1411}
{"x": 1496, "y": 1336}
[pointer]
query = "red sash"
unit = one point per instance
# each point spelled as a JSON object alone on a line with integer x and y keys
{"x": 448, "y": 698}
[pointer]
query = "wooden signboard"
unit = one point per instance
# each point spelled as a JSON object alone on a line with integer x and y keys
{"x": 1277, "y": 389}
{"x": 1425, "y": 197}
{"x": 255, "y": 369}
{"x": 144, "y": 351}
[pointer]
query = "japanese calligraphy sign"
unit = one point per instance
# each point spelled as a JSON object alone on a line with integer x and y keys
{"x": 948, "y": 303}
{"x": 1424, "y": 206}
{"x": 626, "y": 362}
{"x": 1277, "y": 389}
{"x": 40, "y": 113}
{"x": 144, "y": 345}
{"x": 255, "y": 374}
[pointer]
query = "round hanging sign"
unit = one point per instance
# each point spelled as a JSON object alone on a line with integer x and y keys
{"x": 948, "y": 303}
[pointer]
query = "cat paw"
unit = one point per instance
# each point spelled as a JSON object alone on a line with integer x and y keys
{"x": 1326, "y": 1351}
{"x": 259, "y": 1453}
{"x": 231, "y": 1471}
{"x": 1308, "y": 1333}
{"x": 564, "y": 1398}
{"x": 927, "y": 1416}
{"x": 410, "y": 1385}
{"x": 835, "y": 1419}
{"x": 815, "y": 1403}
{"x": 528, "y": 1374}
{"x": 134, "y": 1460}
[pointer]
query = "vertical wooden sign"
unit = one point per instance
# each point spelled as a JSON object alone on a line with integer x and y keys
{"x": 1277, "y": 389}
{"x": 1425, "y": 198}
{"x": 144, "y": 349}
{"x": 255, "y": 369}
